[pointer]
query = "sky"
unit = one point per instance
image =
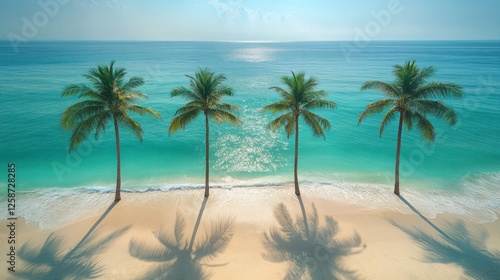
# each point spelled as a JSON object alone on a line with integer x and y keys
{"x": 249, "y": 20}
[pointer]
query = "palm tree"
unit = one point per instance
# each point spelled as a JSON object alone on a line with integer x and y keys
{"x": 298, "y": 100}
{"x": 108, "y": 97}
{"x": 411, "y": 97}
{"x": 204, "y": 94}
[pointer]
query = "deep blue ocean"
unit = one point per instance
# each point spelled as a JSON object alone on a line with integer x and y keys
{"x": 462, "y": 165}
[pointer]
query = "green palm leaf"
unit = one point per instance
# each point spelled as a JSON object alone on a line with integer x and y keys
{"x": 388, "y": 118}
{"x": 375, "y": 108}
{"x": 316, "y": 122}
{"x": 282, "y": 121}
{"x": 424, "y": 126}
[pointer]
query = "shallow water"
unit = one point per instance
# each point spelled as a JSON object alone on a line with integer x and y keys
{"x": 462, "y": 165}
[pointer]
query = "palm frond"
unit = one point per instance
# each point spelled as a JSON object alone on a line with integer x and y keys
{"x": 227, "y": 107}
{"x": 284, "y": 94}
{"x": 221, "y": 116}
{"x": 83, "y": 129}
{"x": 280, "y": 121}
{"x": 125, "y": 120}
{"x": 424, "y": 126}
{"x": 81, "y": 111}
{"x": 88, "y": 92}
{"x": 133, "y": 96}
{"x": 186, "y": 94}
{"x": 183, "y": 119}
{"x": 72, "y": 89}
{"x": 408, "y": 119}
{"x": 316, "y": 122}
{"x": 390, "y": 90}
{"x": 437, "y": 89}
{"x": 437, "y": 109}
{"x": 388, "y": 118}
{"x": 132, "y": 83}
{"x": 143, "y": 111}
{"x": 375, "y": 107}
{"x": 193, "y": 105}
{"x": 320, "y": 104}
{"x": 224, "y": 91}
{"x": 279, "y": 106}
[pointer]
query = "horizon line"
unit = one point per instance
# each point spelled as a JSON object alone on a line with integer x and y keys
{"x": 256, "y": 41}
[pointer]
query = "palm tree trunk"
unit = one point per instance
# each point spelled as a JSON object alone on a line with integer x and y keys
{"x": 398, "y": 153}
{"x": 296, "y": 161}
{"x": 118, "y": 164}
{"x": 207, "y": 155}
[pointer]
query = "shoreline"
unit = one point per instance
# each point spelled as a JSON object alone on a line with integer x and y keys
{"x": 478, "y": 203}
{"x": 242, "y": 217}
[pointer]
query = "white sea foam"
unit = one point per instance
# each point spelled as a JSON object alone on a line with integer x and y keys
{"x": 478, "y": 199}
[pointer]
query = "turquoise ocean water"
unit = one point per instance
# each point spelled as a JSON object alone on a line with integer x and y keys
{"x": 461, "y": 167}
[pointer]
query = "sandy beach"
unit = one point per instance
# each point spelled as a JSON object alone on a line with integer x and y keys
{"x": 258, "y": 233}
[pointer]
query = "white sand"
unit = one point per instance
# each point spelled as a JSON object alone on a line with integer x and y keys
{"x": 237, "y": 220}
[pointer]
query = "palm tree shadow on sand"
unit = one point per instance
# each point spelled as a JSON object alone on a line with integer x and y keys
{"x": 456, "y": 245}
{"x": 179, "y": 258}
{"x": 48, "y": 262}
{"x": 311, "y": 251}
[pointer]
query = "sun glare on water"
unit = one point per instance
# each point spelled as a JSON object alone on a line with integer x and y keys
{"x": 253, "y": 55}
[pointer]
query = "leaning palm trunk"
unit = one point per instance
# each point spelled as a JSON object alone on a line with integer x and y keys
{"x": 207, "y": 155}
{"x": 398, "y": 154}
{"x": 296, "y": 160}
{"x": 118, "y": 165}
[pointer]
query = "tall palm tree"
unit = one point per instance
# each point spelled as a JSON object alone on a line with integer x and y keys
{"x": 411, "y": 96}
{"x": 204, "y": 94}
{"x": 298, "y": 99}
{"x": 108, "y": 98}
